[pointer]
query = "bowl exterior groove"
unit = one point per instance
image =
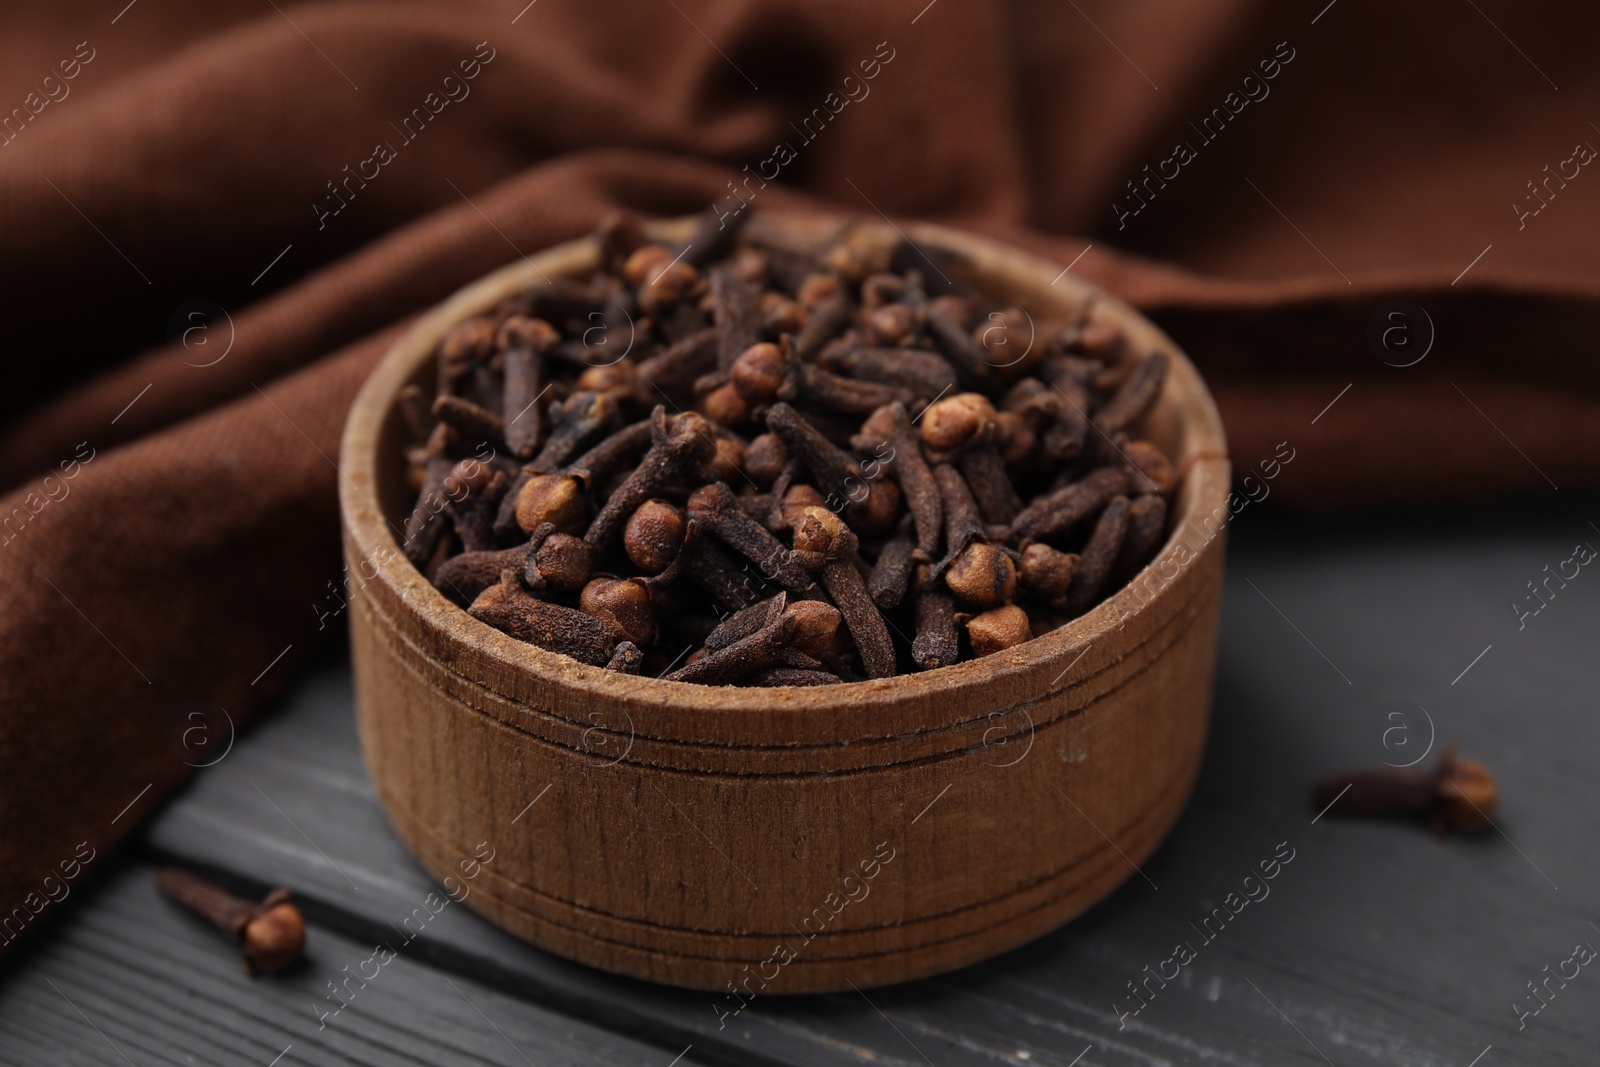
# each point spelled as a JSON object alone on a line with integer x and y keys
{"x": 784, "y": 841}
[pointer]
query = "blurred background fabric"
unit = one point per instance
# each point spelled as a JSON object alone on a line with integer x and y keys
{"x": 1264, "y": 179}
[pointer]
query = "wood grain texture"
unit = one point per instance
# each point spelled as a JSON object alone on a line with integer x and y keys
{"x": 134, "y": 978}
{"x": 1380, "y": 943}
{"x": 713, "y": 837}
{"x": 293, "y": 805}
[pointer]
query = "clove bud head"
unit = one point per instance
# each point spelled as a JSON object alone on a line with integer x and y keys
{"x": 1047, "y": 572}
{"x": 958, "y": 421}
{"x": 952, "y": 307}
{"x": 820, "y": 530}
{"x": 562, "y": 563}
{"x": 982, "y": 575}
{"x": 1152, "y": 470}
{"x": 890, "y": 324}
{"x": 764, "y": 459}
{"x": 796, "y": 499}
{"x": 643, "y": 262}
{"x": 856, "y": 255}
{"x": 780, "y": 315}
{"x": 471, "y": 340}
{"x": 761, "y": 373}
{"x": 614, "y": 381}
{"x": 558, "y": 499}
{"x": 467, "y": 479}
{"x": 274, "y": 939}
{"x": 271, "y": 935}
{"x": 816, "y": 289}
{"x": 880, "y": 427}
{"x": 725, "y": 457}
{"x": 654, "y": 535}
{"x": 1014, "y": 436}
{"x": 662, "y": 280}
{"x": 1009, "y": 338}
{"x": 812, "y": 626}
{"x": 623, "y": 604}
{"x": 1467, "y": 795}
{"x": 690, "y": 430}
{"x": 724, "y": 406}
{"x": 878, "y": 511}
{"x": 998, "y": 629}
{"x": 525, "y": 331}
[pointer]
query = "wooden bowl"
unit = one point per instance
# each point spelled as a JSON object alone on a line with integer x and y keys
{"x": 754, "y": 841}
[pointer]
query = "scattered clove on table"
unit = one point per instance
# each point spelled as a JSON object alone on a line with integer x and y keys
{"x": 808, "y": 466}
{"x": 1460, "y": 795}
{"x": 271, "y": 935}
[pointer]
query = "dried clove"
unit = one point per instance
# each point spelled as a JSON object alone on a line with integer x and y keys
{"x": 559, "y": 499}
{"x": 785, "y": 627}
{"x": 765, "y": 373}
{"x": 736, "y": 310}
{"x": 461, "y": 350}
{"x": 891, "y": 572}
{"x": 891, "y": 427}
{"x": 828, "y": 312}
{"x": 1151, "y": 471}
{"x": 523, "y": 342}
{"x": 741, "y": 624}
{"x": 1460, "y": 795}
{"x": 662, "y": 277}
{"x": 560, "y": 562}
{"x": 595, "y": 465}
{"x": 1057, "y": 512}
{"x": 717, "y": 511}
{"x": 673, "y": 372}
{"x": 474, "y": 510}
{"x": 936, "y": 644}
{"x": 967, "y": 426}
{"x": 975, "y": 570}
{"x": 925, "y": 374}
{"x": 823, "y": 532}
{"x": 509, "y": 608}
{"x": 627, "y": 659}
{"x": 472, "y": 422}
{"x": 1099, "y": 556}
{"x": 998, "y": 629}
{"x": 833, "y": 470}
{"x": 417, "y": 410}
{"x": 727, "y": 579}
{"x": 1134, "y": 398}
{"x": 1046, "y": 572}
{"x": 947, "y": 324}
{"x": 765, "y": 459}
{"x": 428, "y": 522}
{"x": 463, "y": 577}
{"x": 574, "y": 422}
{"x": 271, "y": 934}
{"x": 1147, "y": 522}
{"x": 623, "y": 604}
{"x": 675, "y": 446}
{"x": 802, "y": 676}
{"x": 654, "y": 535}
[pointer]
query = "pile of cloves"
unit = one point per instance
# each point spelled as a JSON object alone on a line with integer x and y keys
{"x": 737, "y": 461}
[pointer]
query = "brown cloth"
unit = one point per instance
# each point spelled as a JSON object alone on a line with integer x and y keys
{"x": 1261, "y": 177}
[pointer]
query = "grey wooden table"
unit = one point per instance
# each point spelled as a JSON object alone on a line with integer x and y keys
{"x": 1346, "y": 642}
